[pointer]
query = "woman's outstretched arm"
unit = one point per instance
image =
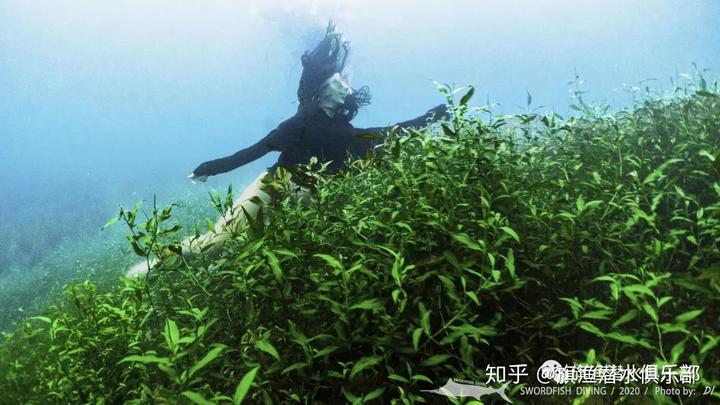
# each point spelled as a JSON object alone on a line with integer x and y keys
{"x": 436, "y": 113}
{"x": 367, "y": 138}
{"x": 237, "y": 159}
{"x": 277, "y": 140}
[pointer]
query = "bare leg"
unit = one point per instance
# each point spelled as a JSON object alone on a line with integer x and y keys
{"x": 227, "y": 226}
{"x": 232, "y": 223}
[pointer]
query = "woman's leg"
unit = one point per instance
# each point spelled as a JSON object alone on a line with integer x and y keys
{"x": 231, "y": 224}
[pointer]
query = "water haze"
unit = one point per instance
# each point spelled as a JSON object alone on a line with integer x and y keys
{"x": 103, "y": 104}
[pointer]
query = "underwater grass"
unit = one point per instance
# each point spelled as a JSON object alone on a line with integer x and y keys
{"x": 512, "y": 239}
{"x": 90, "y": 255}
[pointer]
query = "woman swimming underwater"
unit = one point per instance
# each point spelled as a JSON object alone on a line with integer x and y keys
{"x": 321, "y": 128}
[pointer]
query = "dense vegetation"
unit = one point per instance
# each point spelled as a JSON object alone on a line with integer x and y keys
{"x": 486, "y": 241}
{"x": 36, "y": 271}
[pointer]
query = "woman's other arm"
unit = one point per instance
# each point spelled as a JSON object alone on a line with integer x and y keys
{"x": 367, "y": 138}
{"x": 277, "y": 140}
{"x": 432, "y": 115}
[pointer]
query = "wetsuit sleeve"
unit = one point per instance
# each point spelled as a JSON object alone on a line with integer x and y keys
{"x": 434, "y": 114}
{"x": 278, "y": 140}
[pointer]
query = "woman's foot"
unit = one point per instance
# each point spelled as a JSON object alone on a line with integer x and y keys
{"x": 140, "y": 269}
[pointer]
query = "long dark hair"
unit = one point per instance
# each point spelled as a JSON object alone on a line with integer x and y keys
{"x": 328, "y": 58}
{"x": 358, "y": 98}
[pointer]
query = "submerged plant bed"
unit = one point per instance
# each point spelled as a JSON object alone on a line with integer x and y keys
{"x": 496, "y": 241}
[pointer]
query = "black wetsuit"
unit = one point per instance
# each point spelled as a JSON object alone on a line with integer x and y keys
{"x": 310, "y": 134}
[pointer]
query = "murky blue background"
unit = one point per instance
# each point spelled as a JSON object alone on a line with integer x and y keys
{"x": 105, "y": 103}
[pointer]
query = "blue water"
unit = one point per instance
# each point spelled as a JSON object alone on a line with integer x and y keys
{"x": 105, "y": 103}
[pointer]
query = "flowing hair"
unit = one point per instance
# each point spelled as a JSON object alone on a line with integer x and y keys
{"x": 327, "y": 59}
{"x": 358, "y": 98}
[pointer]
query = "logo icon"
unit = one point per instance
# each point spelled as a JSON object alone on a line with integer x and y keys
{"x": 551, "y": 370}
{"x": 456, "y": 390}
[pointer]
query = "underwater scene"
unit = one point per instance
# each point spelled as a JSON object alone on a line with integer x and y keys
{"x": 384, "y": 202}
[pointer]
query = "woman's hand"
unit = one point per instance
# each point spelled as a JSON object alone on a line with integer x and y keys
{"x": 195, "y": 178}
{"x": 200, "y": 173}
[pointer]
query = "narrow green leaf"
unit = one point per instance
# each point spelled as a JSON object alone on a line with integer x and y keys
{"x": 711, "y": 343}
{"x": 268, "y": 348}
{"x": 435, "y": 360}
{"x": 652, "y": 176}
{"x": 274, "y": 263}
{"x": 510, "y": 262}
{"x": 396, "y": 377}
{"x": 371, "y": 303}
{"x": 639, "y": 288}
{"x": 590, "y": 357}
{"x": 477, "y": 331}
{"x": 464, "y": 100}
{"x": 587, "y": 326}
{"x": 364, "y": 363}
{"x": 424, "y": 318}
{"x": 416, "y": 338}
{"x": 244, "y": 386}
{"x": 293, "y": 367}
{"x": 172, "y": 334}
{"x": 650, "y": 311}
{"x": 473, "y": 297}
{"x": 511, "y": 232}
{"x": 326, "y": 351}
{"x": 420, "y": 377}
{"x": 466, "y": 241}
{"x": 333, "y": 262}
{"x": 110, "y": 222}
{"x": 136, "y": 248}
{"x": 147, "y": 359}
{"x": 209, "y": 357}
{"x": 628, "y": 339}
{"x": 627, "y": 317}
{"x": 448, "y": 132}
{"x": 707, "y": 154}
{"x": 705, "y": 93}
{"x": 396, "y": 270}
{"x": 580, "y": 203}
{"x": 197, "y": 398}
{"x": 42, "y": 318}
{"x": 351, "y": 399}
{"x": 599, "y": 314}
{"x": 689, "y": 316}
{"x": 677, "y": 351}
{"x": 285, "y": 252}
{"x": 374, "y": 394}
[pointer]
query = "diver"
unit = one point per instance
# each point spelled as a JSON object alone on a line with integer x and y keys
{"x": 320, "y": 128}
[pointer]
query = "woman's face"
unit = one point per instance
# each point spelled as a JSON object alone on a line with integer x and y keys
{"x": 333, "y": 94}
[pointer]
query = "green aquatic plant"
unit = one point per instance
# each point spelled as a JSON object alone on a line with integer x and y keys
{"x": 506, "y": 240}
